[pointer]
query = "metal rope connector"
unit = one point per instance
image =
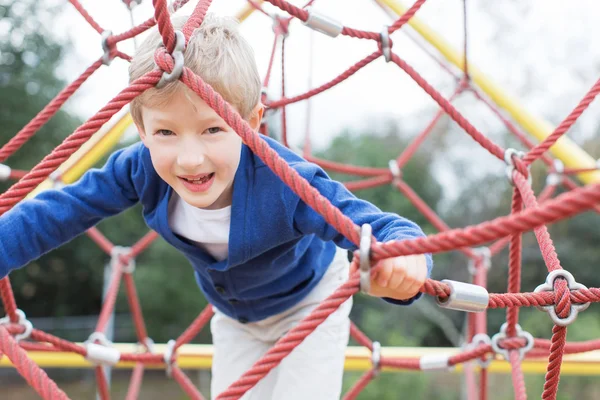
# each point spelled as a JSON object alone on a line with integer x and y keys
{"x": 435, "y": 362}
{"x": 103, "y": 353}
{"x": 5, "y": 172}
{"x": 169, "y": 357}
{"x": 106, "y": 59}
{"x": 478, "y": 340}
{"x": 322, "y": 23}
{"x": 510, "y": 165}
{"x": 115, "y": 259}
{"x": 520, "y": 334}
{"x": 548, "y": 286}
{"x": 556, "y": 177}
{"x": 365, "y": 258}
{"x": 386, "y": 43}
{"x": 376, "y": 358}
{"x": 485, "y": 254}
{"x": 395, "y": 170}
{"x": 23, "y": 321}
{"x": 464, "y": 297}
{"x": 178, "y": 60}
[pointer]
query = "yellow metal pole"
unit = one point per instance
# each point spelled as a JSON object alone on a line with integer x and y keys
{"x": 199, "y": 356}
{"x": 564, "y": 149}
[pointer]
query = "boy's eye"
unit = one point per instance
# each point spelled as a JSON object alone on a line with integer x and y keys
{"x": 164, "y": 132}
{"x": 214, "y": 129}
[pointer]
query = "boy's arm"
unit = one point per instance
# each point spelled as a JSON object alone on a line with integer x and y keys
{"x": 386, "y": 226}
{"x": 54, "y": 217}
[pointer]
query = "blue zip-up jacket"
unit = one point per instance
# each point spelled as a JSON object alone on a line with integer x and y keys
{"x": 279, "y": 247}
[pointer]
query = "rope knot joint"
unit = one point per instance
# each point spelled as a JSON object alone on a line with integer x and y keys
{"x": 385, "y": 43}
{"x": 108, "y": 49}
{"x": 177, "y": 55}
{"x": 23, "y": 321}
{"x": 481, "y": 339}
{"x": 513, "y": 159}
{"x": 549, "y": 286}
{"x": 117, "y": 254}
{"x": 521, "y": 334}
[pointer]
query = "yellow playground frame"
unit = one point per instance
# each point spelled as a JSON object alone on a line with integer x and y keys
{"x": 194, "y": 356}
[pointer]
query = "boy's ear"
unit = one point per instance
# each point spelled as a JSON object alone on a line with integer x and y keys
{"x": 256, "y": 116}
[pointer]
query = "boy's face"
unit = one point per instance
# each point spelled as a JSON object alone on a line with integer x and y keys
{"x": 193, "y": 149}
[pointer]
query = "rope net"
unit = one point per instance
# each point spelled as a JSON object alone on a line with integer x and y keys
{"x": 561, "y": 296}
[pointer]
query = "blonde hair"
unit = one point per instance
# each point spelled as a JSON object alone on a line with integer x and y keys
{"x": 216, "y": 52}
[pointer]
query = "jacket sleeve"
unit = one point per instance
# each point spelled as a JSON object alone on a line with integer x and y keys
{"x": 386, "y": 226}
{"x": 35, "y": 226}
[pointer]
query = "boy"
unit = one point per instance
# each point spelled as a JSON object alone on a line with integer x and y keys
{"x": 261, "y": 256}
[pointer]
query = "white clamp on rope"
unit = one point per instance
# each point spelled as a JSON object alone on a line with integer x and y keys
{"x": 322, "y": 23}
{"x": 5, "y": 171}
{"x": 548, "y": 286}
{"x": 106, "y": 59}
{"x": 464, "y": 297}
{"x": 23, "y": 321}
{"x": 386, "y": 44}
{"x": 365, "y": 258}
{"x": 177, "y": 58}
{"x": 102, "y": 353}
{"x": 376, "y": 358}
{"x": 555, "y": 177}
{"x": 479, "y": 339}
{"x": 435, "y": 362}
{"x": 485, "y": 254}
{"x": 510, "y": 164}
{"x": 168, "y": 357}
{"x": 115, "y": 259}
{"x": 395, "y": 170}
{"x": 520, "y": 334}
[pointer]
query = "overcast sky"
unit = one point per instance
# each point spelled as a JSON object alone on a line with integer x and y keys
{"x": 543, "y": 52}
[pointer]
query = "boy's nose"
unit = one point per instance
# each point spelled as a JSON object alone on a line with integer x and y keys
{"x": 190, "y": 158}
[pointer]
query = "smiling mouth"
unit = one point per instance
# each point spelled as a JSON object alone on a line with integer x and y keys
{"x": 203, "y": 179}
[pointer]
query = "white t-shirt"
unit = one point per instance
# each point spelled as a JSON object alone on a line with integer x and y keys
{"x": 208, "y": 229}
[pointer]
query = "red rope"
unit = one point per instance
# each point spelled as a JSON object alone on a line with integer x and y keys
{"x": 165, "y": 26}
{"x": 135, "y": 383}
{"x": 86, "y": 15}
{"x": 517, "y": 375}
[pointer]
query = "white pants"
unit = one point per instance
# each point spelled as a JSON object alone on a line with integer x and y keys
{"x": 313, "y": 370}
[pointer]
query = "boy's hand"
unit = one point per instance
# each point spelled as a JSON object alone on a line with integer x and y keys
{"x": 399, "y": 278}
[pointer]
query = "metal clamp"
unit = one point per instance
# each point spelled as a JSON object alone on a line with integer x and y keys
{"x": 115, "y": 259}
{"x": 520, "y": 334}
{"x": 106, "y": 58}
{"x": 322, "y": 23}
{"x": 103, "y": 352}
{"x": 395, "y": 170}
{"x": 555, "y": 177}
{"x": 434, "y": 362}
{"x": 386, "y": 43}
{"x": 168, "y": 357}
{"x": 479, "y": 339}
{"x": 464, "y": 297}
{"x": 21, "y": 321}
{"x": 485, "y": 254}
{"x": 5, "y": 172}
{"x": 510, "y": 164}
{"x": 548, "y": 286}
{"x": 376, "y": 357}
{"x": 178, "y": 60}
{"x": 365, "y": 258}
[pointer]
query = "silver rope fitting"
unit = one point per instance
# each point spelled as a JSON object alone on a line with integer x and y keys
{"x": 510, "y": 164}
{"x": 520, "y": 334}
{"x": 434, "y": 362}
{"x": 376, "y": 358}
{"x": 555, "y": 177}
{"x": 395, "y": 170}
{"x": 103, "y": 352}
{"x": 5, "y": 172}
{"x": 386, "y": 43}
{"x": 548, "y": 286}
{"x": 322, "y": 23}
{"x": 106, "y": 58}
{"x": 365, "y": 258}
{"x": 168, "y": 357}
{"x": 485, "y": 254}
{"x": 478, "y": 340}
{"x": 115, "y": 259}
{"x": 464, "y": 297}
{"x": 178, "y": 60}
{"x": 23, "y": 321}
